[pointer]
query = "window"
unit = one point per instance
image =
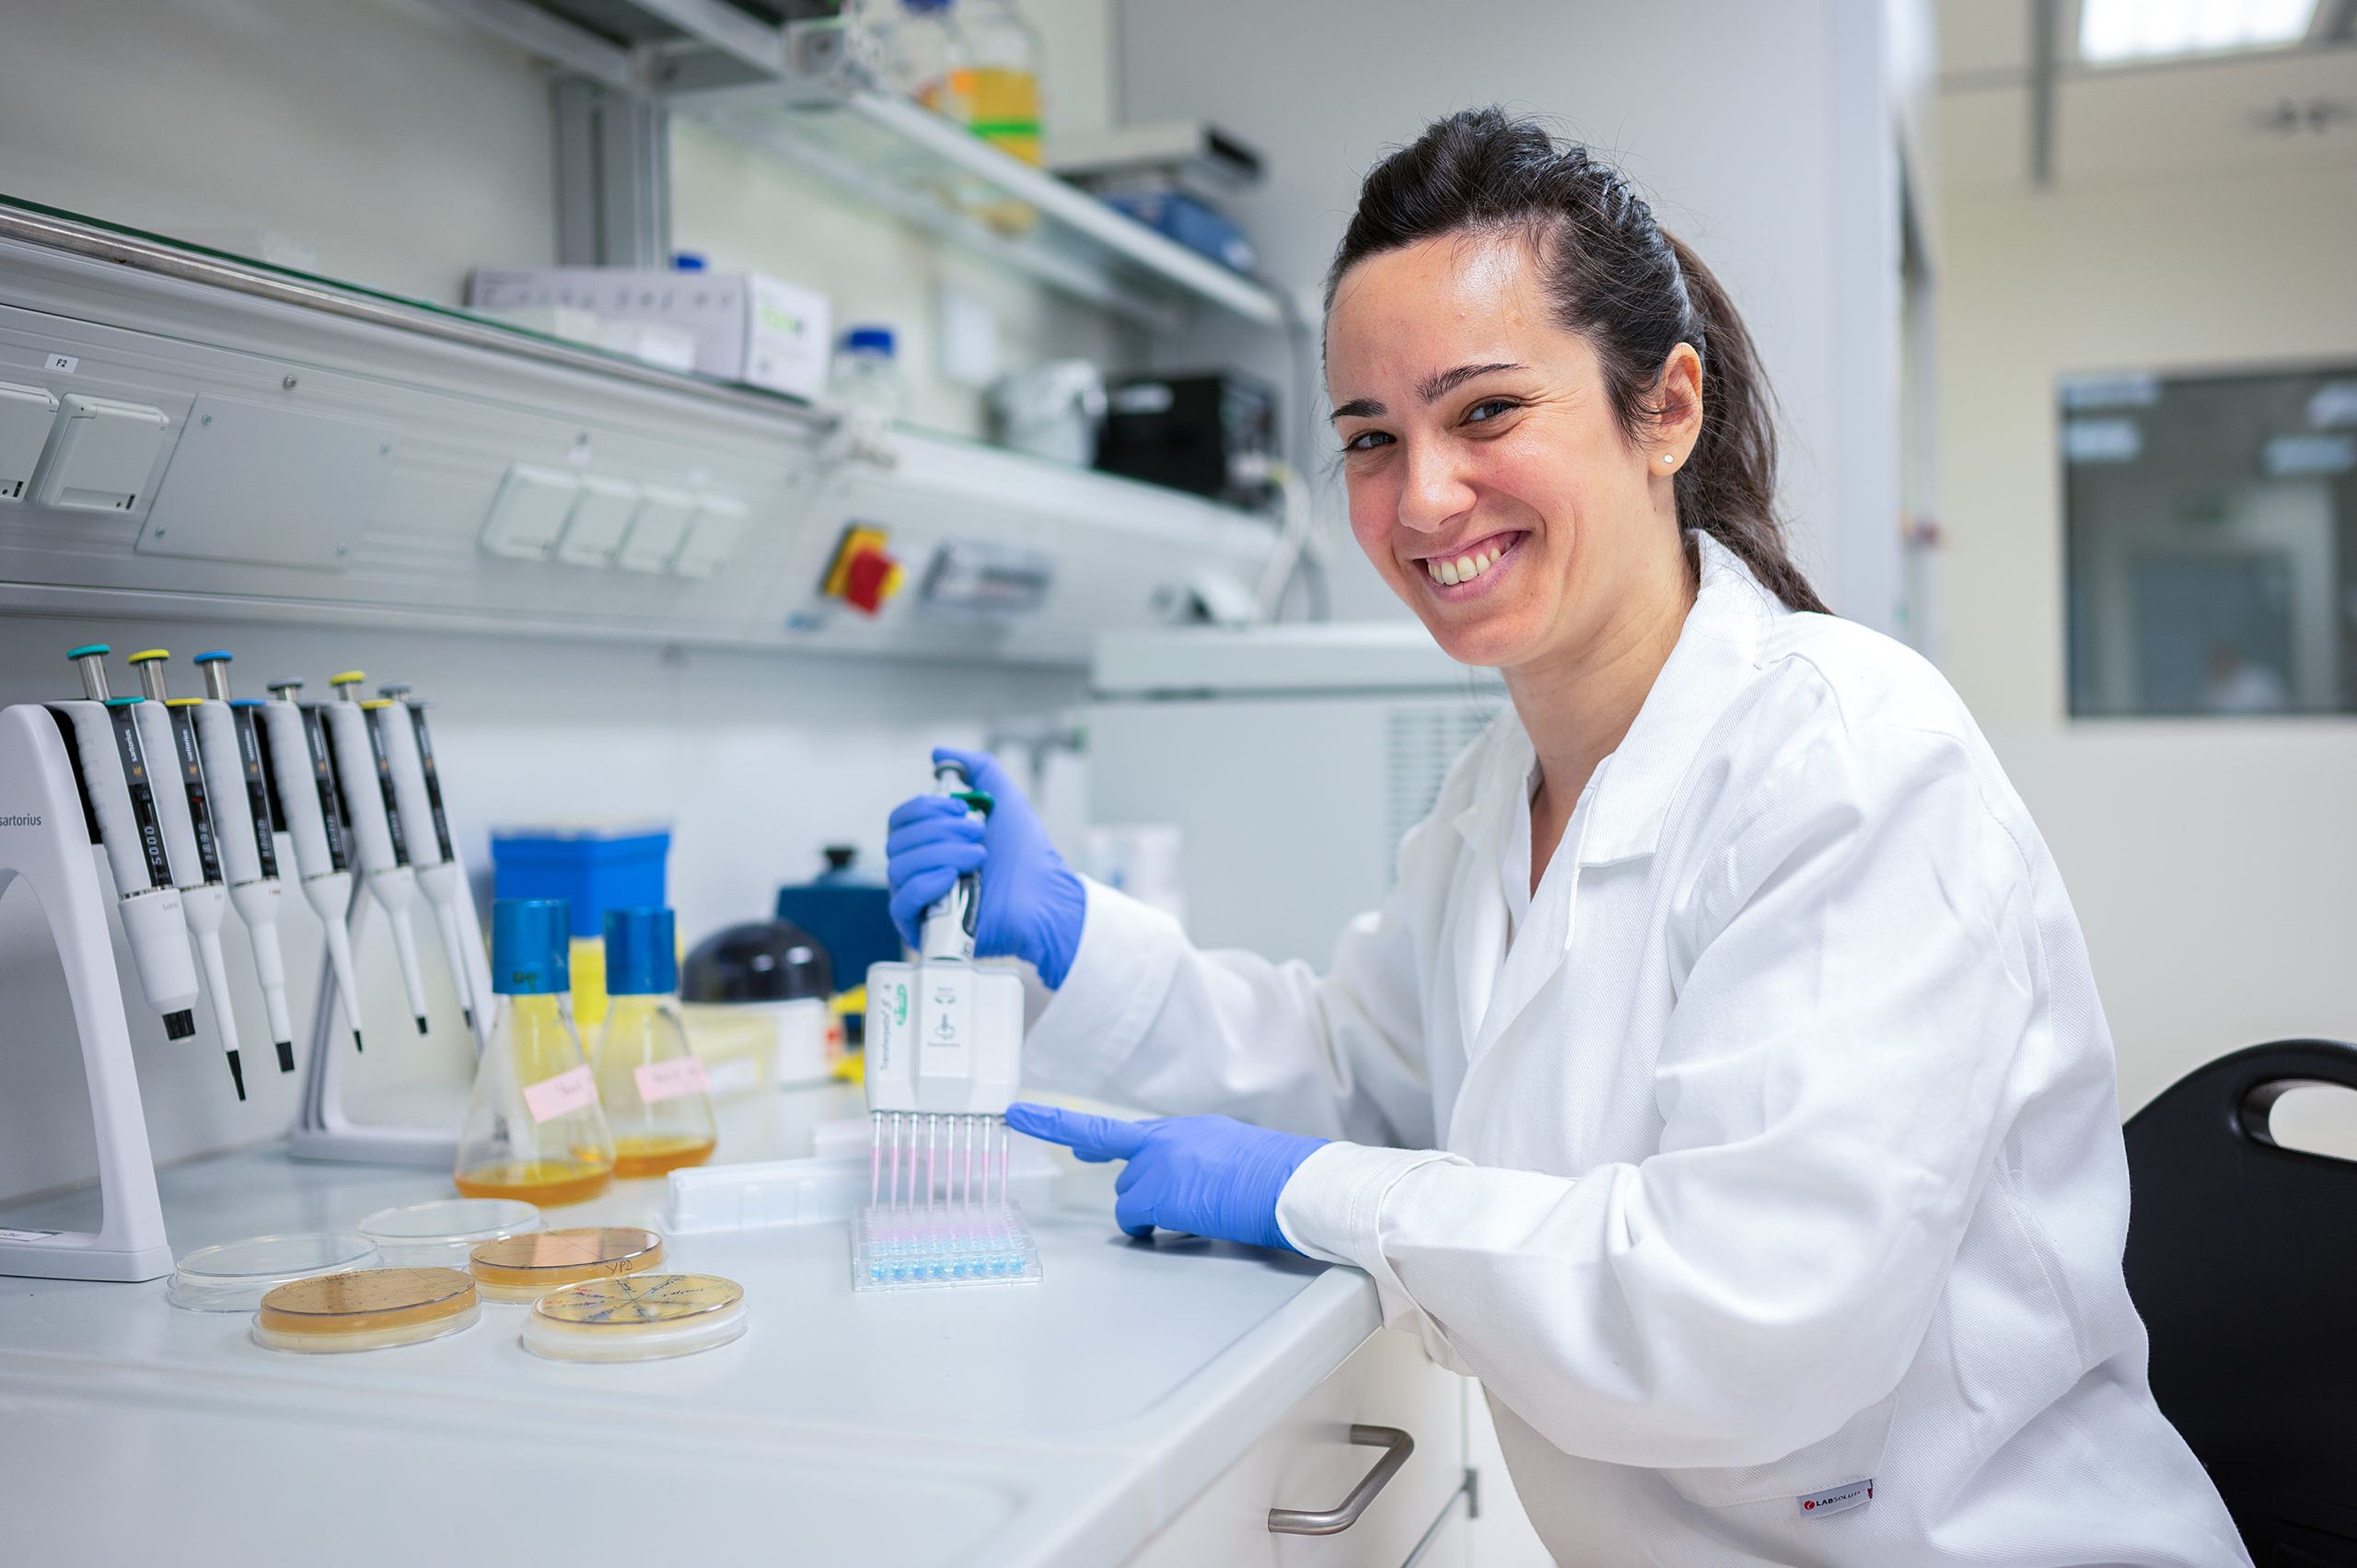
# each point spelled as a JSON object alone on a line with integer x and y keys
{"x": 2112, "y": 31}
{"x": 2211, "y": 524}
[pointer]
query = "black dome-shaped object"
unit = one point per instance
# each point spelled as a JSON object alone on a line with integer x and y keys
{"x": 762, "y": 960}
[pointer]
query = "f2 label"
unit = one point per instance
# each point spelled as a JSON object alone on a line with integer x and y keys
{"x": 64, "y": 364}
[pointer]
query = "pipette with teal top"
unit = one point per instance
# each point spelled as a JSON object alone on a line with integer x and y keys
{"x": 237, "y": 772}
{"x": 122, "y": 799}
{"x": 186, "y": 811}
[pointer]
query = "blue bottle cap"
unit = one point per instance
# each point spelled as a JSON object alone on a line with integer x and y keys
{"x": 876, "y": 338}
{"x": 531, "y": 953}
{"x": 642, "y": 952}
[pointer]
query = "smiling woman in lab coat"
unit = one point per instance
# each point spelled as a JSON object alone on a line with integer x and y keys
{"x": 1724, "y": 1083}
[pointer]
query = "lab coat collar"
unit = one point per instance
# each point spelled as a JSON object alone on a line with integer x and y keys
{"x": 1717, "y": 647}
{"x": 1716, "y": 650}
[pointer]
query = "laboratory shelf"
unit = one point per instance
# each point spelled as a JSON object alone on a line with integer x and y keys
{"x": 921, "y": 166}
{"x": 1057, "y": 1424}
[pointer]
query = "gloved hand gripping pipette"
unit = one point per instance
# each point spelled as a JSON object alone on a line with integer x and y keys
{"x": 375, "y": 819}
{"x": 169, "y": 737}
{"x": 1202, "y": 1175}
{"x": 114, "y": 765}
{"x": 238, "y": 779}
{"x": 306, "y": 803}
{"x": 397, "y": 728}
{"x": 943, "y": 1050}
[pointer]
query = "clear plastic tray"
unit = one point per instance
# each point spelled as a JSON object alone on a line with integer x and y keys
{"x": 441, "y": 1234}
{"x": 637, "y": 1317}
{"x": 365, "y": 1309}
{"x": 235, "y": 1276}
{"x": 922, "y": 1248}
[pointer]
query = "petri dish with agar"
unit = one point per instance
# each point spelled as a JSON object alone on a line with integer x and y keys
{"x": 366, "y": 1310}
{"x": 444, "y": 1234}
{"x": 235, "y": 1276}
{"x": 637, "y": 1317}
{"x": 525, "y": 1268}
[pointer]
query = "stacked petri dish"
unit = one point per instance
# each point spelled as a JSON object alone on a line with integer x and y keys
{"x": 445, "y": 1233}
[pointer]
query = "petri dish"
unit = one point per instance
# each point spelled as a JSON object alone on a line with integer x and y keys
{"x": 525, "y": 1268}
{"x": 365, "y": 1309}
{"x": 235, "y": 1276}
{"x": 442, "y": 1235}
{"x": 637, "y": 1317}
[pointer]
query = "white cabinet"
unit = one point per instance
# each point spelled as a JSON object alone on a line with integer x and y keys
{"x": 1307, "y": 1461}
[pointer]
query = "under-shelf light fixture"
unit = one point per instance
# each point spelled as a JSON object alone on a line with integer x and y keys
{"x": 2116, "y": 31}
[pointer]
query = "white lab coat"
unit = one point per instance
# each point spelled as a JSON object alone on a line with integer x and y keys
{"x": 1772, "y": 1148}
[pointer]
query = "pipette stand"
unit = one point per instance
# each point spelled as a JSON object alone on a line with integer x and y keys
{"x": 322, "y": 1132}
{"x": 45, "y": 839}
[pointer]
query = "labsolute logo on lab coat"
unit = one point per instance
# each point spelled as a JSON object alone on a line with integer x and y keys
{"x": 1840, "y": 1500}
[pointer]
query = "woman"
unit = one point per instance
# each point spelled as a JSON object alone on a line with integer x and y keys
{"x": 1723, "y": 1084}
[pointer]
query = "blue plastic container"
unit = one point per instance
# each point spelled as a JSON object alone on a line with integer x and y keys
{"x": 849, "y": 916}
{"x": 593, "y": 868}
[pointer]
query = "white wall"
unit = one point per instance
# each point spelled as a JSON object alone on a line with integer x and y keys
{"x": 1761, "y": 133}
{"x": 2214, "y": 864}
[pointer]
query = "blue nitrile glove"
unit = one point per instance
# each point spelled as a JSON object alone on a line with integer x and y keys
{"x": 1032, "y": 905}
{"x": 1203, "y": 1175}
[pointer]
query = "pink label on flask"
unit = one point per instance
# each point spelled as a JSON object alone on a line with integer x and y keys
{"x": 664, "y": 1080}
{"x": 566, "y": 1091}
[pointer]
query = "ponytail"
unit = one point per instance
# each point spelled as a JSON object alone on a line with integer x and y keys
{"x": 1622, "y": 282}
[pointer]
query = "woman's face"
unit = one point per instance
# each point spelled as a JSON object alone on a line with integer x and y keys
{"x": 1490, "y": 481}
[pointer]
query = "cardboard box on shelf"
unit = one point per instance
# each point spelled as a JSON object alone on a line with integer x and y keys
{"x": 748, "y": 327}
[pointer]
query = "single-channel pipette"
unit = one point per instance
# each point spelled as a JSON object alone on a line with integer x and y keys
{"x": 306, "y": 803}
{"x": 123, "y": 808}
{"x": 397, "y": 726}
{"x": 375, "y": 818}
{"x": 238, "y": 778}
{"x": 944, "y": 1041}
{"x": 169, "y": 737}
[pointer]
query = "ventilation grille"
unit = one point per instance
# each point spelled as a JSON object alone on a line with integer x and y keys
{"x": 1420, "y": 741}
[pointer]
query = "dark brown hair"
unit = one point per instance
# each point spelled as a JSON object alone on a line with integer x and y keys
{"x": 1622, "y": 282}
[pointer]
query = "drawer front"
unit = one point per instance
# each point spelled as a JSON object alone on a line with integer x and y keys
{"x": 1307, "y": 1461}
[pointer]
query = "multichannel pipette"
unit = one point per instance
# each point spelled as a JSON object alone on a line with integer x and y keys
{"x": 239, "y": 783}
{"x": 122, "y": 808}
{"x": 189, "y": 839}
{"x": 374, "y": 816}
{"x": 397, "y": 726}
{"x": 298, "y": 757}
{"x": 943, "y": 1050}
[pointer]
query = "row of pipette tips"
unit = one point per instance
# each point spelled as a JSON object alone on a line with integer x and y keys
{"x": 936, "y": 1220}
{"x": 210, "y": 842}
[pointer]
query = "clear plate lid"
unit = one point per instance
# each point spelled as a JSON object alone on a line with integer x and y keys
{"x": 443, "y": 1233}
{"x": 235, "y": 1276}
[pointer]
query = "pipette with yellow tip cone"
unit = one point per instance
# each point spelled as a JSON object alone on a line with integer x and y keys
{"x": 186, "y": 815}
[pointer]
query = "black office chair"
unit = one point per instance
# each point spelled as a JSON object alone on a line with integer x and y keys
{"x": 2242, "y": 1257}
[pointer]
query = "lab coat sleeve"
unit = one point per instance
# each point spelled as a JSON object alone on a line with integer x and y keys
{"x": 1837, "y": 1072}
{"x": 1146, "y": 1019}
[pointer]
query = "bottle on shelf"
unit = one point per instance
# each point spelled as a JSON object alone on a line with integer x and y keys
{"x": 533, "y": 1130}
{"x": 655, "y": 1094}
{"x": 994, "y": 80}
{"x": 921, "y": 50}
{"x": 865, "y": 374}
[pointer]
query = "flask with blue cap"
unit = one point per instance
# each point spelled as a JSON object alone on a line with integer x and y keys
{"x": 655, "y": 1093}
{"x": 534, "y": 1130}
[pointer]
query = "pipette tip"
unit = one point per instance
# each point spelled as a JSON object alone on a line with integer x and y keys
{"x": 355, "y": 1041}
{"x": 238, "y": 1075}
{"x": 421, "y": 1025}
{"x": 287, "y": 1056}
{"x": 179, "y": 1025}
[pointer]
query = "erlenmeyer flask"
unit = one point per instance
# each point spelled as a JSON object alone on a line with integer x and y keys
{"x": 654, "y": 1089}
{"x": 533, "y": 1127}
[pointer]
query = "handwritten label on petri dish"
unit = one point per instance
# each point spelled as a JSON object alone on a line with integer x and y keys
{"x": 566, "y": 1091}
{"x": 667, "y": 1080}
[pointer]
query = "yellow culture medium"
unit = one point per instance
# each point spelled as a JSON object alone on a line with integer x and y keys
{"x": 639, "y": 1317}
{"x": 525, "y": 1268}
{"x": 365, "y": 1309}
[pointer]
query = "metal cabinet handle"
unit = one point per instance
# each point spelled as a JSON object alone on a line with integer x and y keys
{"x": 1396, "y": 1445}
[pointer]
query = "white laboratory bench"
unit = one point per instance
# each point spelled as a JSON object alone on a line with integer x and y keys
{"x": 1145, "y": 1401}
